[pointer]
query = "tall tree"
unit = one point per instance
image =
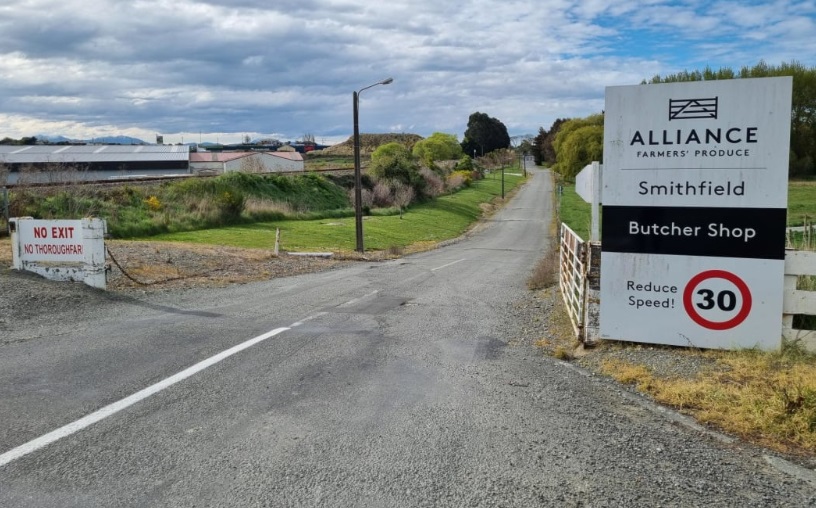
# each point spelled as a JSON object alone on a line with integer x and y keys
{"x": 578, "y": 142}
{"x": 543, "y": 143}
{"x": 484, "y": 134}
{"x": 803, "y": 107}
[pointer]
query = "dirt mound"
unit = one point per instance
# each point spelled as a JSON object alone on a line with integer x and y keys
{"x": 370, "y": 142}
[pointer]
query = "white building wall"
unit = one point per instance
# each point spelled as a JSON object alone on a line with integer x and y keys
{"x": 263, "y": 162}
{"x": 211, "y": 166}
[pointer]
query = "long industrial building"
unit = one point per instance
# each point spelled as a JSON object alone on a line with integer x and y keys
{"x": 20, "y": 164}
{"x": 58, "y": 163}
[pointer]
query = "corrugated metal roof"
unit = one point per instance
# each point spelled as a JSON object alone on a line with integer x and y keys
{"x": 228, "y": 156}
{"x": 293, "y": 156}
{"x": 78, "y": 154}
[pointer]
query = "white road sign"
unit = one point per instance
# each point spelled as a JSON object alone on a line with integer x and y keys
{"x": 695, "y": 198}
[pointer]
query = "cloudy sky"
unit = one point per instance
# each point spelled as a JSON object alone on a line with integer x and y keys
{"x": 208, "y": 70}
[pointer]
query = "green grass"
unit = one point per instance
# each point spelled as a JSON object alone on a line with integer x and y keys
{"x": 440, "y": 219}
{"x": 317, "y": 162}
{"x": 574, "y": 211}
{"x": 801, "y": 202}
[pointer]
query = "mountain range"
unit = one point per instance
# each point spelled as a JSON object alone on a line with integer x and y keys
{"x": 107, "y": 140}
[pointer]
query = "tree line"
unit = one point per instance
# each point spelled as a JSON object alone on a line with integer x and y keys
{"x": 571, "y": 144}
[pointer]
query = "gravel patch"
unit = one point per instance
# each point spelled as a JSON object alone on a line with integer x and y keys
{"x": 139, "y": 269}
{"x": 544, "y": 323}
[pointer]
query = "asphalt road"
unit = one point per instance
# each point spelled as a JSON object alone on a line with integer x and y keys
{"x": 383, "y": 384}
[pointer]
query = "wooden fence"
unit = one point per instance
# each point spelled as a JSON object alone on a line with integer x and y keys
{"x": 579, "y": 282}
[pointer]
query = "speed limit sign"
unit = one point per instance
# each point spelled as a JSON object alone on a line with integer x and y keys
{"x": 695, "y": 198}
{"x": 717, "y": 299}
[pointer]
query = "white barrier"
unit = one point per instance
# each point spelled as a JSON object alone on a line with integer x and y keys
{"x": 580, "y": 270}
{"x": 572, "y": 277}
{"x": 797, "y": 301}
{"x": 60, "y": 249}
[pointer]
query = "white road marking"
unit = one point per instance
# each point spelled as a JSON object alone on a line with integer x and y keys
{"x": 114, "y": 408}
{"x": 447, "y": 265}
{"x": 304, "y": 320}
{"x": 355, "y": 300}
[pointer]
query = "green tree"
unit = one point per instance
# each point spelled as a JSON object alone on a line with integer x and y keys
{"x": 484, "y": 134}
{"x": 803, "y": 105}
{"x": 526, "y": 146}
{"x": 394, "y": 162}
{"x": 578, "y": 142}
{"x": 543, "y": 143}
{"x": 437, "y": 147}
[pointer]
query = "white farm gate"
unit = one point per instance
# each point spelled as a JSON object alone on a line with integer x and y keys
{"x": 579, "y": 281}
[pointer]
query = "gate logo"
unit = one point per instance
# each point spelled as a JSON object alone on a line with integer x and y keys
{"x": 685, "y": 109}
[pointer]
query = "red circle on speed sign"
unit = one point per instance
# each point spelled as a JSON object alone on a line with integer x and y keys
{"x": 691, "y": 309}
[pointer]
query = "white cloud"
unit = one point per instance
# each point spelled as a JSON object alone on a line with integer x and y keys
{"x": 175, "y": 67}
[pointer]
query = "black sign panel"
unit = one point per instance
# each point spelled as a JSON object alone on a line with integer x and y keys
{"x": 754, "y": 233}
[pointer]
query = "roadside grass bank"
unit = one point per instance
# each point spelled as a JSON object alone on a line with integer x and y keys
{"x": 572, "y": 209}
{"x": 188, "y": 204}
{"x": 765, "y": 398}
{"x": 442, "y": 218}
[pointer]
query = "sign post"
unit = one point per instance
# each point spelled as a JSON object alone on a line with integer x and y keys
{"x": 695, "y": 202}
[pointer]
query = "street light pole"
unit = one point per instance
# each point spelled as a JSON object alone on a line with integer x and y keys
{"x": 358, "y": 182}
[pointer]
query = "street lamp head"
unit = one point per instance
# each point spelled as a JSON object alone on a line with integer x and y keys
{"x": 387, "y": 81}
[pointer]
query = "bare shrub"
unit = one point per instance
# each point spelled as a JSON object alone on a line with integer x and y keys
{"x": 434, "y": 185}
{"x": 366, "y": 195}
{"x": 456, "y": 181}
{"x": 545, "y": 273}
{"x": 382, "y": 195}
{"x": 403, "y": 196}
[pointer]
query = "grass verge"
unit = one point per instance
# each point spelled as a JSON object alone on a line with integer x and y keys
{"x": 427, "y": 223}
{"x": 766, "y": 398}
{"x": 573, "y": 210}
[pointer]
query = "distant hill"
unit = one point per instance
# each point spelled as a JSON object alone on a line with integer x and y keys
{"x": 370, "y": 142}
{"x": 106, "y": 140}
{"x": 53, "y": 139}
{"x": 117, "y": 140}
